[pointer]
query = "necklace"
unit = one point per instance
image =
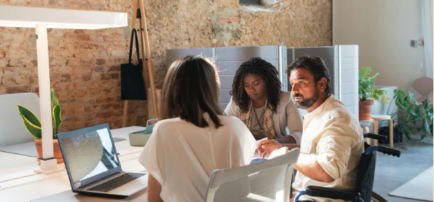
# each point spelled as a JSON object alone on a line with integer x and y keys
{"x": 257, "y": 120}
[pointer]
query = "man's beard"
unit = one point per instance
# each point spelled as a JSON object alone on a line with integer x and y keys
{"x": 308, "y": 102}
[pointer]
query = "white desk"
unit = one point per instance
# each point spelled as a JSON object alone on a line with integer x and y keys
{"x": 15, "y": 166}
{"x": 68, "y": 196}
{"x": 19, "y": 183}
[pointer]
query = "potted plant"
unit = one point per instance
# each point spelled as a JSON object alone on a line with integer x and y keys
{"x": 411, "y": 116}
{"x": 368, "y": 93}
{"x": 33, "y": 125}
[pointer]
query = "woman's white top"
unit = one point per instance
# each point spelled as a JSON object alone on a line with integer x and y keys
{"x": 182, "y": 156}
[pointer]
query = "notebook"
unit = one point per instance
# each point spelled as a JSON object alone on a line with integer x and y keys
{"x": 93, "y": 165}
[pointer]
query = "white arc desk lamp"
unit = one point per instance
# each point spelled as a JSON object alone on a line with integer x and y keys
{"x": 41, "y": 19}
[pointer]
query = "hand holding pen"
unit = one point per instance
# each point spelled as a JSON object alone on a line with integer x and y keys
{"x": 267, "y": 146}
{"x": 262, "y": 144}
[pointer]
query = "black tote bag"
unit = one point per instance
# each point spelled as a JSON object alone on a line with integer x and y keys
{"x": 132, "y": 82}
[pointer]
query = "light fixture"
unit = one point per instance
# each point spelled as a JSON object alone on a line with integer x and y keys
{"x": 41, "y": 19}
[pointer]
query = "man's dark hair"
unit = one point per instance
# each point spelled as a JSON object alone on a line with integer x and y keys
{"x": 315, "y": 65}
{"x": 267, "y": 71}
{"x": 190, "y": 88}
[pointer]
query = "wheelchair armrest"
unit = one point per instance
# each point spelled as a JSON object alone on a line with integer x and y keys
{"x": 333, "y": 193}
{"x": 374, "y": 136}
{"x": 389, "y": 151}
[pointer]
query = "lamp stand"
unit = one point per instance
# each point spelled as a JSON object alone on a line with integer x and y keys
{"x": 48, "y": 162}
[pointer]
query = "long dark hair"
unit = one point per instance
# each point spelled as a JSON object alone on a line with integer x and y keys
{"x": 315, "y": 65}
{"x": 268, "y": 72}
{"x": 191, "y": 87}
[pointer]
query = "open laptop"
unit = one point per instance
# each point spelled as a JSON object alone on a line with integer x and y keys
{"x": 93, "y": 164}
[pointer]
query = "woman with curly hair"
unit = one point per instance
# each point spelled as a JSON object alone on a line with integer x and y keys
{"x": 258, "y": 101}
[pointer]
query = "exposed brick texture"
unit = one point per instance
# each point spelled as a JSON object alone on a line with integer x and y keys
{"x": 85, "y": 64}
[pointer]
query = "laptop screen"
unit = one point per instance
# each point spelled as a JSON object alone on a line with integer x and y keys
{"x": 89, "y": 155}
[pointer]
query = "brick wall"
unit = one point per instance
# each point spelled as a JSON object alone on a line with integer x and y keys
{"x": 85, "y": 64}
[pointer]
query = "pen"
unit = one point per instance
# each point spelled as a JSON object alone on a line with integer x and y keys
{"x": 268, "y": 142}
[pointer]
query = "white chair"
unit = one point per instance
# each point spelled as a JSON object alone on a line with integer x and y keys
{"x": 12, "y": 129}
{"x": 269, "y": 180}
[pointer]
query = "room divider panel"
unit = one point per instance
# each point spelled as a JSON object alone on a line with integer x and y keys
{"x": 341, "y": 60}
{"x": 228, "y": 59}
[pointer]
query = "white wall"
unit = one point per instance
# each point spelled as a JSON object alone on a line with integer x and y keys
{"x": 383, "y": 30}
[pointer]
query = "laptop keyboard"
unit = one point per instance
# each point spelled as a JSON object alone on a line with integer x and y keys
{"x": 116, "y": 182}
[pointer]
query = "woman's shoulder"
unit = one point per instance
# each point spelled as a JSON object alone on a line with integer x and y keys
{"x": 168, "y": 127}
{"x": 233, "y": 104}
{"x": 285, "y": 96}
{"x": 231, "y": 122}
{"x": 286, "y": 103}
{"x": 169, "y": 122}
{"x": 232, "y": 109}
{"x": 177, "y": 122}
{"x": 232, "y": 125}
{"x": 285, "y": 99}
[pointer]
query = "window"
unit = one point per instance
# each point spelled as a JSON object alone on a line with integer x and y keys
{"x": 252, "y": 2}
{"x": 261, "y": 5}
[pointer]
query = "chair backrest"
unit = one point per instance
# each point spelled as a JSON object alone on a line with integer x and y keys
{"x": 365, "y": 174}
{"x": 12, "y": 130}
{"x": 269, "y": 180}
{"x": 423, "y": 85}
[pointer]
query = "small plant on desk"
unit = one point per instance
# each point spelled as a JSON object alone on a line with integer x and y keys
{"x": 33, "y": 125}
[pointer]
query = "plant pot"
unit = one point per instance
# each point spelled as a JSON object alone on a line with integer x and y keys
{"x": 56, "y": 150}
{"x": 365, "y": 108}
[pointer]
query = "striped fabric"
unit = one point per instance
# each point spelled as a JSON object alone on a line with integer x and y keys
{"x": 267, "y": 124}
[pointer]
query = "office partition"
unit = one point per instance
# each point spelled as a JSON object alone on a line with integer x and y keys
{"x": 341, "y": 61}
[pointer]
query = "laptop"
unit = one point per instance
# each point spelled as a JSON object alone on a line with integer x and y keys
{"x": 93, "y": 165}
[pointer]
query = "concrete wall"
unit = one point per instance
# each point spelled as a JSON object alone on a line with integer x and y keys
{"x": 383, "y": 30}
{"x": 85, "y": 64}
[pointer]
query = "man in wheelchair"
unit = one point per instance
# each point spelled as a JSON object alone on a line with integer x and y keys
{"x": 332, "y": 140}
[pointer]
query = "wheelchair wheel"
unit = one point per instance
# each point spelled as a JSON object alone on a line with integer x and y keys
{"x": 377, "y": 198}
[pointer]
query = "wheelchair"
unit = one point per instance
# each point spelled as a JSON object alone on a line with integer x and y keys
{"x": 364, "y": 181}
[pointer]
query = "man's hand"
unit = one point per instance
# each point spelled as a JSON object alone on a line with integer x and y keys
{"x": 265, "y": 147}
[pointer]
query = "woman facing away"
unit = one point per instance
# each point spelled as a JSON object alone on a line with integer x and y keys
{"x": 258, "y": 101}
{"x": 193, "y": 137}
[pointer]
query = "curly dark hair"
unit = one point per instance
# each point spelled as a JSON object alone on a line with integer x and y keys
{"x": 268, "y": 72}
{"x": 315, "y": 65}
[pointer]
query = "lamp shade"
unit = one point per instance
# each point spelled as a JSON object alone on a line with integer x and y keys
{"x": 19, "y": 16}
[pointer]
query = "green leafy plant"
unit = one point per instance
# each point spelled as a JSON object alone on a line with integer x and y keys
{"x": 32, "y": 123}
{"x": 409, "y": 113}
{"x": 367, "y": 91}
